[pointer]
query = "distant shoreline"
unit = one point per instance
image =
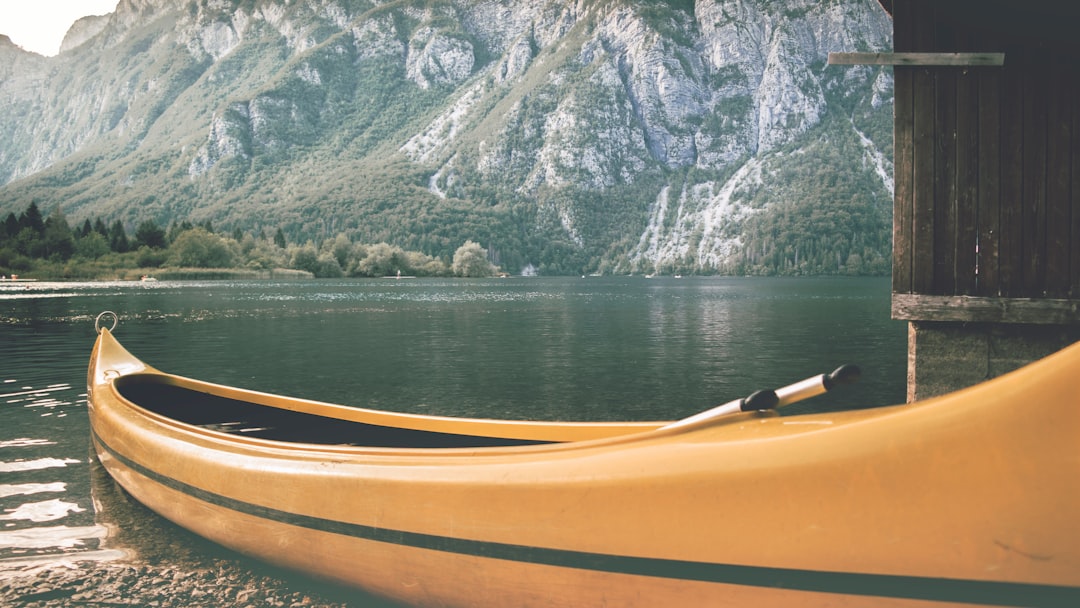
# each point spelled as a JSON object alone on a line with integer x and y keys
{"x": 205, "y": 274}
{"x": 167, "y": 274}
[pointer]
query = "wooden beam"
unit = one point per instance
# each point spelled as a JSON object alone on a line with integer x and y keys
{"x": 918, "y": 59}
{"x": 975, "y": 309}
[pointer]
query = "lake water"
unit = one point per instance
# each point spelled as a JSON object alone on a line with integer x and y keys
{"x": 536, "y": 348}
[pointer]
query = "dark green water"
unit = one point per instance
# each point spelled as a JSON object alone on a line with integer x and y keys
{"x": 589, "y": 349}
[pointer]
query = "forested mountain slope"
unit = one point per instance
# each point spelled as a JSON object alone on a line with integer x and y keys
{"x": 567, "y": 135}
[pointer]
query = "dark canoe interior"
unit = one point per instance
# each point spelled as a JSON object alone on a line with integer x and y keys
{"x": 253, "y": 420}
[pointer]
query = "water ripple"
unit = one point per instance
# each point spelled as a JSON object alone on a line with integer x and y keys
{"x": 26, "y": 489}
{"x": 49, "y": 537}
{"x": 38, "y": 512}
{"x": 36, "y": 464}
{"x": 24, "y": 442}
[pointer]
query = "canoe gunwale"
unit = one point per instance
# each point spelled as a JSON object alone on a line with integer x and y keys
{"x": 512, "y": 444}
{"x": 177, "y": 401}
{"x": 530, "y": 436}
{"x": 115, "y": 368}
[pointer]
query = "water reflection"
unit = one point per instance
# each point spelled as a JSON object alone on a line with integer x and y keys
{"x": 38, "y": 512}
{"x": 24, "y": 489}
{"x": 27, "y": 548}
{"x": 35, "y": 465}
{"x": 45, "y": 510}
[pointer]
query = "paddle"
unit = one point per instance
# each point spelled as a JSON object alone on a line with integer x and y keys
{"x": 772, "y": 399}
{"x": 812, "y": 387}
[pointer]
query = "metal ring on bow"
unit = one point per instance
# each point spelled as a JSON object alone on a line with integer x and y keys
{"x": 97, "y": 322}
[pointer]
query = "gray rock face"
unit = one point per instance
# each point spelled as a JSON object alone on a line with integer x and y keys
{"x": 525, "y": 98}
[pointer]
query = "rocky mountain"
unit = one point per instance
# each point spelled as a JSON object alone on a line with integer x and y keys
{"x": 564, "y": 135}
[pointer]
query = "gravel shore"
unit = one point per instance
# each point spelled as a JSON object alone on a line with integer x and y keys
{"x": 220, "y": 583}
{"x": 115, "y": 584}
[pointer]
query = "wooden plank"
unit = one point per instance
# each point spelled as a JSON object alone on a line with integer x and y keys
{"x": 1010, "y": 242}
{"x": 989, "y": 201}
{"x": 967, "y": 162}
{"x": 1074, "y": 232}
{"x": 1058, "y": 167}
{"x": 903, "y": 176}
{"x": 977, "y": 309}
{"x": 918, "y": 59}
{"x": 967, "y": 180}
{"x": 1033, "y": 245}
{"x": 903, "y": 152}
{"x": 923, "y": 176}
{"x": 944, "y": 183}
{"x": 924, "y": 38}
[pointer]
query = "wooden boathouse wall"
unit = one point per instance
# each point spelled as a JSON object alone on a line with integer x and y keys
{"x": 986, "y": 225}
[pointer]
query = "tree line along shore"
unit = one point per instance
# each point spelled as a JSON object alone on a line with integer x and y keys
{"x": 48, "y": 247}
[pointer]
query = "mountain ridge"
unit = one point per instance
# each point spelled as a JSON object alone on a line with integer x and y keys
{"x": 568, "y": 135}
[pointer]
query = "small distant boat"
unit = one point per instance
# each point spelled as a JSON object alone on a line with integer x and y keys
{"x": 969, "y": 498}
{"x": 147, "y": 279}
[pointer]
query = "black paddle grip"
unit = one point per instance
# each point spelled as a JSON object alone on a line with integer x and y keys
{"x": 760, "y": 400}
{"x": 845, "y": 374}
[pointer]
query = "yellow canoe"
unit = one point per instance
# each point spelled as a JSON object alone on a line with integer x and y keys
{"x": 971, "y": 498}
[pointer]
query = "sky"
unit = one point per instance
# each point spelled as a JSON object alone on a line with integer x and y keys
{"x": 40, "y": 25}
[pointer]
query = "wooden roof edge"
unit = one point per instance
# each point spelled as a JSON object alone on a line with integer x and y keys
{"x": 918, "y": 59}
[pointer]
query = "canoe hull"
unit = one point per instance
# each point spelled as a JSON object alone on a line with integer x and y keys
{"x": 421, "y": 576}
{"x": 944, "y": 502}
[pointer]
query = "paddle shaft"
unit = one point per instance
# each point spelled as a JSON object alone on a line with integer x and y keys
{"x": 772, "y": 399}
{"x": 816, "y": 385}
{"x": 811, "y": 387}
{"x": 761, "y": 400}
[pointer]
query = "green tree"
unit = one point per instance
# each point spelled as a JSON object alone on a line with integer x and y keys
{"x": 151, "y": 235}
{"x": 323, "y": 265}
{"x": 200, "y": 249}
{"x": 266, "y": 255}
{"x": 327, "y": 267}
{"x": 31, "y": 218}
{"x": 118, "y": 239}
{"x": 424, "y": 265}
{"x": 175, "y": 230}
{"x": 341, "y": 247}
{"x": 382, "y": 259}
{"x": 11, "y": 226}
{"x": 91, "y": 246}
{"x": 304, "y": 257}
{"x": 151, "y": 258}
{"x": 56, "y": 236}
{"x": 470, "y": 260}
{"x": 28, "y": 242}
